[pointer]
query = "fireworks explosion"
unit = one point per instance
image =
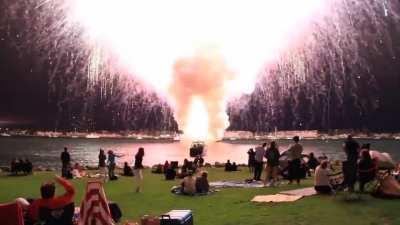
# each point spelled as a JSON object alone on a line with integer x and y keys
{"x": 198, "y": 55}
{"x": 151, "y": 38}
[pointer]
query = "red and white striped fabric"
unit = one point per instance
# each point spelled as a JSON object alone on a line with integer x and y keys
{"x": 94, "y": 207}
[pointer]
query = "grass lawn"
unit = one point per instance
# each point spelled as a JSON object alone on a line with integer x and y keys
{"x": 227, "y": 207}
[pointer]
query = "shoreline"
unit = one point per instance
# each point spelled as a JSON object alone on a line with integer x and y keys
{"x": 229, "y": 137}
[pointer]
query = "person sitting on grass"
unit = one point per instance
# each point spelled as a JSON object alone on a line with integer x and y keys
{"x": 397, "y": 172}
{"x": 48, "y": 200}
{"x": 28, "y": 167}
{"x": 189, "y": 184}
{"x": 202, "y": 185}
{"x": 13, "y": 167}
{"x": 321, "y": 180}
{"x": 165, "y": 167}
{"x": 228, "y": 165}
{"x": 127, "y": 170}
{"x": 312, "y": 163}
{"x": 185, "y": 166}
{"x": 78, "y": 171}
{"x": 170, "y": 173}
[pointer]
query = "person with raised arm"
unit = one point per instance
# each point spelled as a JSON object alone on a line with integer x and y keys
{"x": 48, "y": 198}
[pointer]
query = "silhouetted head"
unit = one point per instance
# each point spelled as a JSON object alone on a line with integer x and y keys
{"x": 264, "y": 144}
{"x": 273, "y": 144}
{"x": 296, "y": 139}
{"x": 365, "y": 154}
{"x": 140, "y": 151}
{"x": 65, "y": 149}
{"x": 229, "y": 161}
{"x": 110, "y": 152}
{"x": 47, "y": 190}
{"x": 366, "y": 146}
{"x": 204, "y": 174}
{"x": 349, "y": 137}
{"x": 324, "y": 164}
{"x": 311, "y": 155}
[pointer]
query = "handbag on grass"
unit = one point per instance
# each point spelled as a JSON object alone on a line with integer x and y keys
{"x": 149, "y": 220}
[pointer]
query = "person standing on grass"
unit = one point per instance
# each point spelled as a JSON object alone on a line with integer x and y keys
{"x": 102, "y": 165}
{"x": 252, "y": 159}
{"x": 258, "y": 164}
{"x": 111, "y": 164}
{"x": 138, "y": 167}
{"x": 351, "y": 148}
{"x": 295, "y": 153}
{"x": 65, "y": 161}
{"x": 272, "y": 154}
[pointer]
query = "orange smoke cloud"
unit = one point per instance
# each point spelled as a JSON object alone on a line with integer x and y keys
{"x": 202, "y": 77}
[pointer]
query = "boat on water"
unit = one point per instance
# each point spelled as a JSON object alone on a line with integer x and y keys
{"x": 197, "y": 148}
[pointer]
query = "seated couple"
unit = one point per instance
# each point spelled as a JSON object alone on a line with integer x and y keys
{"x": 48, "y": 199}
{"x": 23, "y": 166}
{"x": 192, "y": 185}
{"x": 230, "y": 166}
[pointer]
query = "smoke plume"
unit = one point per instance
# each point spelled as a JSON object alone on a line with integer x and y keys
{"x": 203, "y": 76}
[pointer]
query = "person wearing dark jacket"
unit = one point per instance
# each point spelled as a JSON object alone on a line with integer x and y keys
{"x": 102, "y": 165}
{"x": 138, "y": 167}
{"x": 65, "y": 161}
{"x": 312, "y": 163}
{"x": 127, "y": 171}
{"x": 272, "y": 155}
{"x": 251, "y": 160}
{"x": 366, "y": 169}
{"x": 351, "y": 148}
{"x": 202, "y": 185}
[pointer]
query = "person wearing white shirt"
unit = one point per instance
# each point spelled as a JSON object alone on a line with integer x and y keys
{"x": 321, "y": 180}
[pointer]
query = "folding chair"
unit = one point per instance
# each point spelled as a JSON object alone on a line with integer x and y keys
{"x": 60, "y": 216}
{"x": 94, "y": 207}
{"x": 11, "y": 214}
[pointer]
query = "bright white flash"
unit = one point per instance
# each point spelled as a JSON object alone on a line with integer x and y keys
{"x": 149, "y": 35}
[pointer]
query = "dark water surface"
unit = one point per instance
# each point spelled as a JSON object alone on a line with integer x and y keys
{"x": 46, "y": 151}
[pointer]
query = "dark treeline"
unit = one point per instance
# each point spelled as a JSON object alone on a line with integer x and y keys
{"x": 343, "y": 74}
{"x": 46, "y": 76}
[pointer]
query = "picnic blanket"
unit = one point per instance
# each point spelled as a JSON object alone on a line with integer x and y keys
{"x": 276, "y": 198}
{"x": 310, "y": 191}
{"x": 236, "y": 184}
{"x": 286, "y": 196}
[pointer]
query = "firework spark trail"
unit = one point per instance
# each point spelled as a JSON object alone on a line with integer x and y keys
{"x": 150, "y": 36}
{"x": 62, "y": 34}
{"x": 336, "y": 76}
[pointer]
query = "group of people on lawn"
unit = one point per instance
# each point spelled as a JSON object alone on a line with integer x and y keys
{"x": 272, "y": 155}
{"x": 359, "y": 166}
